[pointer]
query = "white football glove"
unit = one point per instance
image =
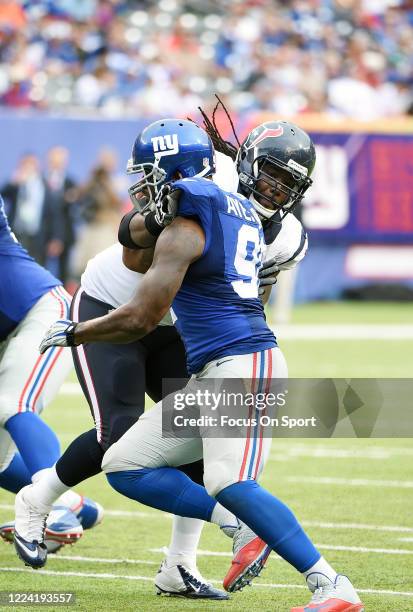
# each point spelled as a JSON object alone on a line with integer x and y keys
{"x": 166, "y": 205}
{"x": 267, "y": 275}
{"x": 264, "y": 283}
{"x": 61, "y": 333}
{"x": 269, "y": 268}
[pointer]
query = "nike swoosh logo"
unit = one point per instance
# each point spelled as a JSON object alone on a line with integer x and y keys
{"x": 31, "y": 553}
{"x": 195, "y": 588}
{"x": 317, "y": 609}
{"x": 218, "y": 363}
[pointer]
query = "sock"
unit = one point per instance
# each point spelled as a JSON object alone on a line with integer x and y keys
{"x": 82, "y": 459}
{"x": 71, "y": 500}
{"x": 38, "y": 475}
{"x": 37, "y": 443}
{"x": 272, "y": 521}
{"x": 225, "y": 520}
{"x": 166, "y": 489}
{"x": 186, "y": 533}
{"x": 321, "y": 567}
{"x": 45, "y": 490}
{"x": 15, "y": 476}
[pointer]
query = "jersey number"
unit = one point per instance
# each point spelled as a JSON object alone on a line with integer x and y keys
{"x": 248, "y": 261}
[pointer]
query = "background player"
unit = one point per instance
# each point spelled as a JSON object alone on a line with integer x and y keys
{"x": 30, "y": 299}
{"x": 192, "y": 268}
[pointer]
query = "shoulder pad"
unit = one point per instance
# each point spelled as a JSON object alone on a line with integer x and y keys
{"x": 289, "y": 245}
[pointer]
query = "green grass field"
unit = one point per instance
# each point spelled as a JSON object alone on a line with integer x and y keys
{"x": 362, "y": 519}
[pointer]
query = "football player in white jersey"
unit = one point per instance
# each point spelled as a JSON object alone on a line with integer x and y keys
{"x": 115, "y": 378}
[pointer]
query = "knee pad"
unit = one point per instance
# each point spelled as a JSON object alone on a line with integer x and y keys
{"x": 218, "y": 476}
{"x": 116, "y": 460}
{"x": 8, "y": 408}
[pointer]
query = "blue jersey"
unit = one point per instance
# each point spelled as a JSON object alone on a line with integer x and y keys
{"x": 217, "y": 309}
{"x": 22, "y": 281}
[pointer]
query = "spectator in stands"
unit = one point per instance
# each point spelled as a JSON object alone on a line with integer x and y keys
{"x": 128, "y": 58}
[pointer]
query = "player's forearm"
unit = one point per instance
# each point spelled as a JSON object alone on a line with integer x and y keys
{"x": 139, "y": 232}
{"x": 266, "y": 295}
{"x": 138, "y": 261}
{"x": 120, "y": 326}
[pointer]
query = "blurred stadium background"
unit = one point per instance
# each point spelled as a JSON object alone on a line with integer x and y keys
{"x": 78, "y": 80}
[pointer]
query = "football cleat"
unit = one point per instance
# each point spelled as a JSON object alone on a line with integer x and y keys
{"x": 62, "y": 527}
{"x": 31, "y": 552}
{"x": 30, "y": 526}
{"x": 250, "y": 556}
{"x": 29, "y": 532}
{"x": 329, "y": 596}
{"x": 88, "y": 512}
{"x": 180, "y": 581}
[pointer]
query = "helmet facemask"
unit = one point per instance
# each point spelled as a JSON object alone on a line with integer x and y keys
{"x": 273, "y": 175}
{"x": 150, "y": 179}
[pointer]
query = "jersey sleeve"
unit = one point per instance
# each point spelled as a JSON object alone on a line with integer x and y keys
{"x": 195, "y": 202}
{"x": 289, "y": 246}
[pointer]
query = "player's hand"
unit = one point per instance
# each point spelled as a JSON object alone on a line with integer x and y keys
{"x": 269, "y": 268}
{"x": 166, "y": 205}
{"x": 61, "y": 333}
{"x": 267, "y": 275}
{"x": 266, "y": 282}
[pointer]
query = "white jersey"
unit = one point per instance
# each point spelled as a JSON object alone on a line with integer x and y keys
{"x": 107, "y": 279}
{"x": 287, "y": 242}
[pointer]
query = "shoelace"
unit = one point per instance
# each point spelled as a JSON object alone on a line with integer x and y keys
{"x": 194, "y": 581}
{"x": 36, "y": 532}
{"x": 242, "y": 536}
{"x": 323, "y": 593}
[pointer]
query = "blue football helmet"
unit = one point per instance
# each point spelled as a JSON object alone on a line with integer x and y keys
{"x": 163, "y": 149}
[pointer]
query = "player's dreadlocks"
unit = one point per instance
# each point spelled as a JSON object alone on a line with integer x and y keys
{"x": 222, "y": 146}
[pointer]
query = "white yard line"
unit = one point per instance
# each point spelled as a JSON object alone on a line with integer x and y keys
{"x": 362, "y": 526}
{"x": 319, "y": 524}
{"x": 77, "y": 574}
{"x": 201, "y": 553}
{"x": 348, "y": 331}
{"x": 352, "y": 482}
{"x": 148, "y": 579}
{"x": 80, "y": 559}
{"x": 358, "y": 549}
{"x": 363, "y": 549}
{"x": 325, "y": 452}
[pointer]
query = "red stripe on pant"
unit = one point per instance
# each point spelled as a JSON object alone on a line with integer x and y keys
{"x": 247, "y": 443}
{"x": 267, "y": 388}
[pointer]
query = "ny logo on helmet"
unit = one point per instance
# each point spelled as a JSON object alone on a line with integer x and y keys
{"x": 165, "y": 145}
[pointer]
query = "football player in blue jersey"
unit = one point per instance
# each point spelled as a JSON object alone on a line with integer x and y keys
{"x": 30, "y": 299}
{"x": 207, "y": 256}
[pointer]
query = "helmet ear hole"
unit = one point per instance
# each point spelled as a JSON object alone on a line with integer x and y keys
{"x": 243, "y": 155}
